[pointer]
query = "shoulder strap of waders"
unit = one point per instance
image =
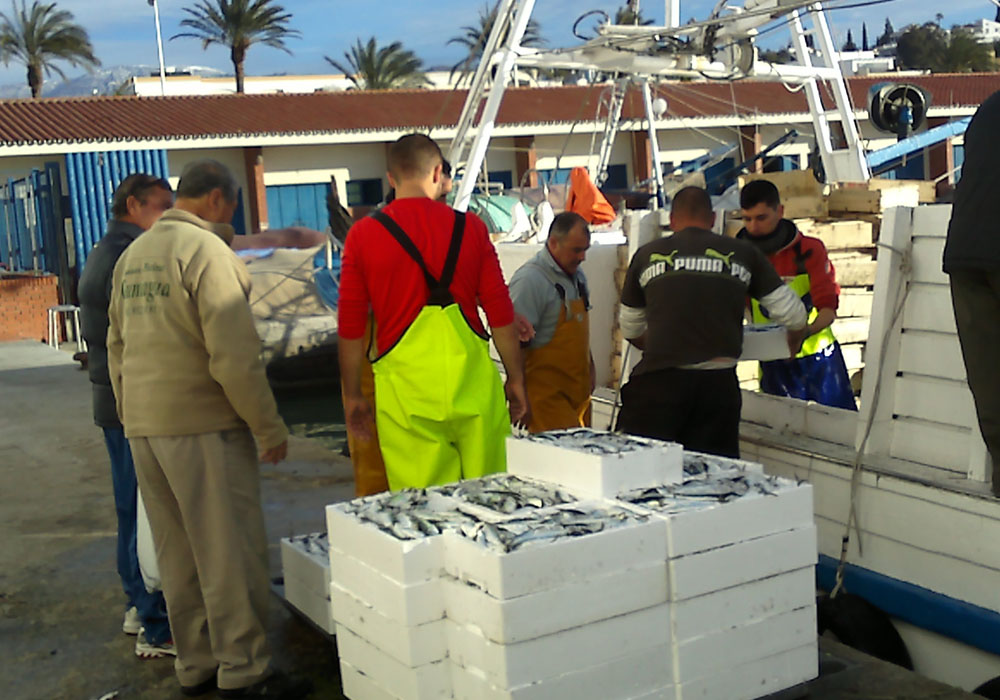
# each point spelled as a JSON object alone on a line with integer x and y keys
{"x": 801, "y": 257}
{"x": 439, "y": 293}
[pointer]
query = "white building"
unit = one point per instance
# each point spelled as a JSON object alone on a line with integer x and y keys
{"x": 985, "y": 31}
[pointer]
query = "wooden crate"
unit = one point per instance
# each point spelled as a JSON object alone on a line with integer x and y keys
{"x": 854, "y": 269}
{"x": 854, "y": 199}
{"x": 839, "y": 235}
{"x": 801, "y": 194}
{"x": 926, "y": 189}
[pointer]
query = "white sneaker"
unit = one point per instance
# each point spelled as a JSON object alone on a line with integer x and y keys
{"x": 146, "y": 650}
{"x": 131, "y": 624}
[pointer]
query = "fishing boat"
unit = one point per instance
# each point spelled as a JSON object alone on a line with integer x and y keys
{"x": 904, "y": 514}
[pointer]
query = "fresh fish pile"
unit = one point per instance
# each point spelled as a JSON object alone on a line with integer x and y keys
{"x": 510, "y": 535}
{"x": 590, "y": 441}
{"x": 315, "y": 543}
{"x": 508, "y": 495}
{"x": 721, "y": 488}
{"x": 701, "y": 463}
{"x": 406, "y": 515}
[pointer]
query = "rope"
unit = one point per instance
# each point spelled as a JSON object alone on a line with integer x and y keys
{"x": 905, "y": 267}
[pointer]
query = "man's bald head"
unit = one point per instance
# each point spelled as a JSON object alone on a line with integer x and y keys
{"x": 413, "y": 156}
{"x": 691, "y": 208}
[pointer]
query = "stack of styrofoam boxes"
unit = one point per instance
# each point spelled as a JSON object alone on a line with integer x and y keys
{"x": 577, "y": 617}
{"x": 742, "y": 591}
{"x": 700, "y": 599}
{"x": 305, "y": 563}
{"x": 389, "y": 609}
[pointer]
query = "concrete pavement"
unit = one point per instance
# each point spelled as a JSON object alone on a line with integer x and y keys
{"x": 61, "y": 602}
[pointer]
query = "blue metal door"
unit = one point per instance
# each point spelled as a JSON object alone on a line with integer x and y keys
{"x": 92, "y": 178}
{"x": 297, "y": 205}
{"x": 31, "y": 222}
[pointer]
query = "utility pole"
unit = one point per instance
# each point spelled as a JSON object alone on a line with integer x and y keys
{"x": 672, "y": 16}
{"x": 159, "y": 46}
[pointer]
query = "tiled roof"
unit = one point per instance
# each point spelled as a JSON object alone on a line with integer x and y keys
{"x": 62, "y": 120}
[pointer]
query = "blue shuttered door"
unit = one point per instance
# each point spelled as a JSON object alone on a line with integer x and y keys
{"x": 92, "y": 178}
{"x": 31, "y": 226}
{"x": 297, "y": 205}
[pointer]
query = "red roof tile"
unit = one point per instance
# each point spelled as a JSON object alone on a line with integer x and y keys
{"x": 139, "y": 118}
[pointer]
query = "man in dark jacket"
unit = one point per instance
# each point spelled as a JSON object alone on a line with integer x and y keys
{"x": 972, "y": 259}
{"x": 137, "y": 204}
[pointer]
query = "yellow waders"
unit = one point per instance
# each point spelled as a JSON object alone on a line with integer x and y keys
{"x": 814, "y": 343}
{"x": 558, "y": 373}
{"x": 439, "y": 404}
{"x": 366, "y": 457}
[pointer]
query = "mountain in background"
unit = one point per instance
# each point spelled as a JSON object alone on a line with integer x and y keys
{"x": 101, "y": 82}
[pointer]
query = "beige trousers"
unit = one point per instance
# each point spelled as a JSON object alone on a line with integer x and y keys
{"x": 202, "y": 495}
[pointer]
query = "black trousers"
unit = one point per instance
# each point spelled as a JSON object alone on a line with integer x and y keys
{"x": 975, "y": 296}
{"x": 700, "y": 409}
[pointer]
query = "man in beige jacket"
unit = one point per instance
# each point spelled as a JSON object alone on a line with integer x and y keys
{"x": 184, "y": 361}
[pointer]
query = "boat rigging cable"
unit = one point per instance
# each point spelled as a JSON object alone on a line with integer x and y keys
{"x": 905, "y": 266}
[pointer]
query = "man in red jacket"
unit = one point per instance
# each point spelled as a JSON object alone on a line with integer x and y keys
{"x": 423, "y": 269}
{"x": 818, "y": 371}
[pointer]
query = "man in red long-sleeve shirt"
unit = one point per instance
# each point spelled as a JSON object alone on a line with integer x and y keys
{"x": 423, "y": 269}
{"x": 818, "y": 371}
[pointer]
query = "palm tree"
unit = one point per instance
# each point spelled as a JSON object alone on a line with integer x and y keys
{"x": 39, "y": 35}
{"x": 372, "y": 68}
{"x": 238, "y": 24}
{"x": 474, "y": 38}
{"x": 626, "y": 15}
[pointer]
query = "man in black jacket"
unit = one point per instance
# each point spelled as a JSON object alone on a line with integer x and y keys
{"x": 972, "y": 259}
{"x": 137, "y": 204}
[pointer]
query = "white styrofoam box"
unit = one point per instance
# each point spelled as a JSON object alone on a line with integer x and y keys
{"x": 535, "y": 568}
{"x": 635, "y": 675}
{"x": 711, "y": 525}
{"x": 313, "y": 605}
{"x": 523, "y": 663}
{"x": 358, "y": 686}
{"x": 741, "y": 605}
{"x": 412, "y": 604}
{"x": 556, "y": 609}
{"x": 715, "y": 654}
{"x": 410, "y": 645}
{"x": 757, "y": 678}
{"x": 602, "y": 475}
{"x": 427, "y": 682}
{"x": 405, "y": 561}
{"x": 717, "y": 569}
{"x": 310, "y": 568}
{"x": 765, "y": 342}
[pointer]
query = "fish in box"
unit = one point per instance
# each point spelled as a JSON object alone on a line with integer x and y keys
{"x": 722, "y": 507}
{"x": 594, "y": 463}
{"x": 558, "y": 546}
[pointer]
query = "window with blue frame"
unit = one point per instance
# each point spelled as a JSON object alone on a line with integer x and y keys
{"x": 720, "y": 176}
{"x": 617, "y": 178}
{"x": 504, "y": 177}
{"x": 910, "y": 168}
{"x": 555, "y": 176}
{"x": 780, "y": 164}
{"x": 297, "y": 205}
{"x": 364, "y": 193}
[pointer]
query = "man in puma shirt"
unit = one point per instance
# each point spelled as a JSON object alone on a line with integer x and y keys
{"x": 682, "y": 304}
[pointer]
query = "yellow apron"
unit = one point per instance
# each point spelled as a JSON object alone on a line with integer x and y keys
{"x": 439, "y": 403}
{"x": 558, "y": 373}
{"x": 366, "y": 457}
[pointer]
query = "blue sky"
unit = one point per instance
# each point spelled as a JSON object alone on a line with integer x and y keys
{"x": 122, "y": 30}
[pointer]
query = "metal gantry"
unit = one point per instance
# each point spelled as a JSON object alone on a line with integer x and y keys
{"x": 719, "y": 48}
